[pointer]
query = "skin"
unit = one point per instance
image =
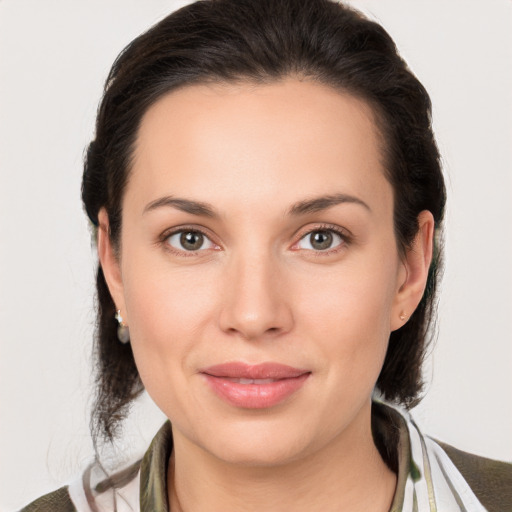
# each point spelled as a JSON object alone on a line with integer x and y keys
{"x": 259, "y": 291}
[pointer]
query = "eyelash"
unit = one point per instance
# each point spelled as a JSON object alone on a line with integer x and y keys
{"x": 346, "y": 239}
{"x": 184, "y": 229}
{"x": 343, "y": 234}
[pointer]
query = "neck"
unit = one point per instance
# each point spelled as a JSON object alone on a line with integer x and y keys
{"x": 346, "y": 474}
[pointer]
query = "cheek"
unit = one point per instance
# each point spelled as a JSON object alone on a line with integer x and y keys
{"x": 168, "y": 311}
{"x": 348, "y": 312}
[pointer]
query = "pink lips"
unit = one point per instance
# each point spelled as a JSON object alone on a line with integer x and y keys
{"x": 254, "y": 386}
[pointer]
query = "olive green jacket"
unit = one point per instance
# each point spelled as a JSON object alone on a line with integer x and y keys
{"x": 490, "y": 480}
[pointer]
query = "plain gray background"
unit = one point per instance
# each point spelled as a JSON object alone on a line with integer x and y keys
{"x": 54, "y": 57}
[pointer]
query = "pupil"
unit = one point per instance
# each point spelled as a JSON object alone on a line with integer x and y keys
{"x": 191, "y": 241}
{"x": 321, "y": 240}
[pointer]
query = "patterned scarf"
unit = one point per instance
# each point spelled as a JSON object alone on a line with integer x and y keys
{"x": 428, "y": 481}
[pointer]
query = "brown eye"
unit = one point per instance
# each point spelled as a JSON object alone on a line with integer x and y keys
{"x": 320, "y": 240}
{"x": 190, "y": 241}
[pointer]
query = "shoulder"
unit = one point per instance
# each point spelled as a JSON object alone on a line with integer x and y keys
{"x": 96, "y": 490}
{"x": 490, "y": 480}
{"x": 56, "y": 501}
{"x": 93, "y": 491}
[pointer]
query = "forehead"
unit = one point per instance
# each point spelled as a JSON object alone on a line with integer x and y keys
{"x": 268, "y": 142}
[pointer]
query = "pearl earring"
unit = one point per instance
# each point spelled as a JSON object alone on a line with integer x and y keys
{"x": 123, "y": 333}
{"x": 402, "y": 316}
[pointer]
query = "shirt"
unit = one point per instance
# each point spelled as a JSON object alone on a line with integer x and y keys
{"x": 431, "y": 476}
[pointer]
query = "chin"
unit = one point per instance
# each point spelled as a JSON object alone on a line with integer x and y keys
{"x": 258, "y": 444}
{"x": 257, "y": 455}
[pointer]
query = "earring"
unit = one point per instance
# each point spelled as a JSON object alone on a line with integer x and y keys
{"x": 123, "y": 333}
{"x": 402, "y": 316}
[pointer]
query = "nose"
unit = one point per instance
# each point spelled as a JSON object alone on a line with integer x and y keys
{"x": 255, "y": 303}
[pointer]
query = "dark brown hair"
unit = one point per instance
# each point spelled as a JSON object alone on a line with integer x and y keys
{"x": 264, "y": 41}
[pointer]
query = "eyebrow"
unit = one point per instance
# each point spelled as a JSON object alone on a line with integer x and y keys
{"x": 200, "y": 208}
{"x": 185, "y": 205}
{"x": 321, "y": 203}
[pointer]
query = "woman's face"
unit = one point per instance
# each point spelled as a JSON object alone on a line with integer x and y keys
{"x": 259, "y": 273}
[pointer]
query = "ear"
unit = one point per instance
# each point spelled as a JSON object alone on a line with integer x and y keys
{"x": 412, "y": 276}
{"x": 110, "y": 264}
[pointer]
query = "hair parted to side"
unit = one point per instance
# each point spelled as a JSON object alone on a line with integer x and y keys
{"x": 264, "y": 41}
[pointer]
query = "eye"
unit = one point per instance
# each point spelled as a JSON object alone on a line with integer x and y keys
{"x": 190, "y": 241}
{"x": 320, "y": 240}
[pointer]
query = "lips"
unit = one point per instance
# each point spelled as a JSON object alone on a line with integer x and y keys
{"x": 254, "y": 386}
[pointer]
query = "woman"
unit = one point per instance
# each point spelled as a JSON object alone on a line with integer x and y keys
{"x": 267, "y": 197}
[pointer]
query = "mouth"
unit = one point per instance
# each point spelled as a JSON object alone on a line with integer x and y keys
{"x": 252, "y": 381}
{"x": 254, "y": 386}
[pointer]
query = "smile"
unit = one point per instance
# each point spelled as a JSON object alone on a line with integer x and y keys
{"x": 253, "y": 381}
{"x": 254, "y": 386}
